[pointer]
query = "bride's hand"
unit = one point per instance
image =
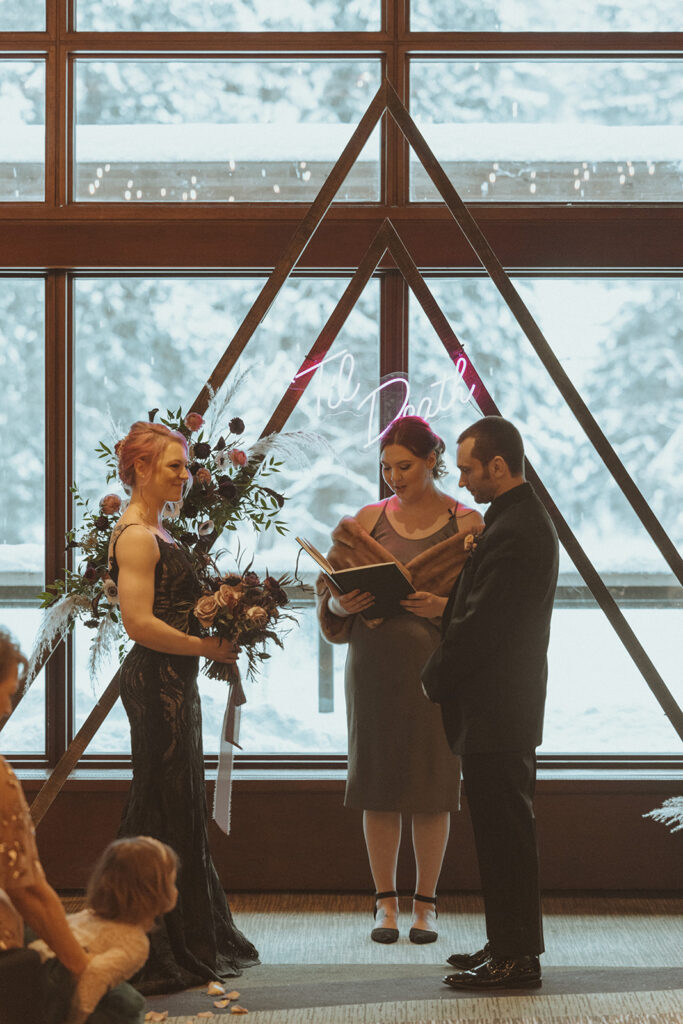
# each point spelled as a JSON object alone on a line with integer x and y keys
{"x": 216, "y": 649}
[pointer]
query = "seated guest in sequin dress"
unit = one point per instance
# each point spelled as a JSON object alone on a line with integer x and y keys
{"x": 25, "y": 894}
{"x": 31, "y": 993}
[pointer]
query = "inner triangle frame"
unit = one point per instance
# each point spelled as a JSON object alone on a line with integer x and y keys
{"x": 388, "y": 240}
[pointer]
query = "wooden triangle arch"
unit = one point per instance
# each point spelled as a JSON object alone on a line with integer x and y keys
{"x": 387, "y": 239}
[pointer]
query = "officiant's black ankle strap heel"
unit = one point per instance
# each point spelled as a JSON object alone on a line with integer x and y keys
{"x": 384, "y": 935}
{"x": 420, "y": 936}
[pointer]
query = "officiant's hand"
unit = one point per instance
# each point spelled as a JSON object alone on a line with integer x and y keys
{"x": 424, "y": 604}
{"x": 216, "y": 649}
{"x": 350, "y": 604}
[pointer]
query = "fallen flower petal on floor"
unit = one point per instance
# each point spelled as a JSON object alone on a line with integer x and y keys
{"x": 222, "y": 1003}
{"x": 156, "y": 1016}
{"x": 205, "y": 1013}
{"x": 215, "y": 989}
{"x": 232, "y": 995}
{"x": 238, "y": 1009}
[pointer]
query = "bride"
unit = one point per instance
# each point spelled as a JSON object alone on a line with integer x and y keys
{"x": 197, "y": 941}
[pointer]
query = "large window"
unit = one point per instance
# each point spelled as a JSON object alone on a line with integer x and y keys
{"x": 155, "y": 162}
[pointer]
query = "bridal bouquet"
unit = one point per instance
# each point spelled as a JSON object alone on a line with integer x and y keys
{"x": 246, "y": 611}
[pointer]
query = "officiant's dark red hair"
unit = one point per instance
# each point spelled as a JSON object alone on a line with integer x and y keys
{"x": 415, "y": 434}
{"x": 144, "y": 441}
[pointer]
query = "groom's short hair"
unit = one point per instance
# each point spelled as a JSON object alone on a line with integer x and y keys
{"x": 495, "y": 436}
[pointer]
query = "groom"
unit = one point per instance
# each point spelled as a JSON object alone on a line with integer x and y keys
{"x": 489, "y": 676}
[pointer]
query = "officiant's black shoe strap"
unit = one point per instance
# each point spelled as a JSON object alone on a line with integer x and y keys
{"x": 426, "y": 899}
{"x": 384, "y": 935}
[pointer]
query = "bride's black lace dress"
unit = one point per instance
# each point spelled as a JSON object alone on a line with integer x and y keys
{"x": 197, "y": 941}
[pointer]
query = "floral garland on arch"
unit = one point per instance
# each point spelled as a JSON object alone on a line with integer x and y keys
{"x": 227, "y": 487}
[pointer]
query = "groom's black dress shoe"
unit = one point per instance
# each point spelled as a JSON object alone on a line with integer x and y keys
{"x": 468, "y": 961}
{"x": 520, "y": 972}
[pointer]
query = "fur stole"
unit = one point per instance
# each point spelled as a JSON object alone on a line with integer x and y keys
{"x": 434, "y": 570}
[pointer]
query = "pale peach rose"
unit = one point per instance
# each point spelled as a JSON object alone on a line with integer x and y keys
{"x": 205, "y": 610}
{"x": 256, "y": 616}
{"x": 202, "y": 476}
{"x": 193, "y": 421}
{"x": 110, "y": 504}
{"x": 238, "y": 457}
{"x": 227, "y": 596}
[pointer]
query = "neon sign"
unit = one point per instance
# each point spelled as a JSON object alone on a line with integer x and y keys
{"x": 338, "y": 387}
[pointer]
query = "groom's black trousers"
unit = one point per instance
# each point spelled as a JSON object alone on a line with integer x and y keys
{"x": 500, "y": 792}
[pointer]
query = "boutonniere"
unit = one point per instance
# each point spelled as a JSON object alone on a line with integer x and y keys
{"x": 471, "y": 541}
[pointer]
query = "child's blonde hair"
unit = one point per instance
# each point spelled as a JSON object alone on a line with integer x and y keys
{"x": 133, "y": 880}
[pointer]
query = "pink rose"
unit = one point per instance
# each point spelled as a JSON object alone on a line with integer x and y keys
{"x": 193, "y": 421}
{"x": 205, "y": 610}
{"x": 238, "y": 457}
{"x": 110, "y": 504}
{"x": 202, "y": 476}
{"x": 227, "y": 596}
{"x": 257, "y": 616}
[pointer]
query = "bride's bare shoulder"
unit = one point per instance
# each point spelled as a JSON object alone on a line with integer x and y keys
{"x": 133, "y": 540}
{"x": 369, "y": 514}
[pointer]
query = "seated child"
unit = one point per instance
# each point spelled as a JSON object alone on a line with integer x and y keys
{"x": 132, "y": 885}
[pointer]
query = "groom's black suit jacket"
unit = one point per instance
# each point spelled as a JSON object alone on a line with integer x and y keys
{"x": 489, "y": 673}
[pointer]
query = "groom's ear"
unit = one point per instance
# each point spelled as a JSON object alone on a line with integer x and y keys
{"x": 498, "y": 467}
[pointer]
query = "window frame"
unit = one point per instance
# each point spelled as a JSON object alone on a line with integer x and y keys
{"x": 60, "y": 238}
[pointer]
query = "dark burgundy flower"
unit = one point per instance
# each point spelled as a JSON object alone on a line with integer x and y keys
{"x": 193, "y": 467}
{"x": 202, "y": 450}
{"x": 250, "y": 579}
{"x": 102, "y": 523}
{"x": 233, "y": 579}
{"x": 219, "y": 445}
{"x": 92, "y": 623}
{"x": 236, "y": 425}
{"x": 276, "y": 592}
{"x": 226, "y": 488}
{"x": 151, "y": 414}
{"x": 90, "y": 573}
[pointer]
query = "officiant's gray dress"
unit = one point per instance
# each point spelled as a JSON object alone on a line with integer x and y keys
{"x": 398, "y": 756}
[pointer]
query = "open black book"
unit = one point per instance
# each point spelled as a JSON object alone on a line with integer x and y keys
{"x": 386, "y": 581}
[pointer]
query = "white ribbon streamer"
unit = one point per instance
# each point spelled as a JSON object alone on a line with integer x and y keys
{"x": 230, "y": 734}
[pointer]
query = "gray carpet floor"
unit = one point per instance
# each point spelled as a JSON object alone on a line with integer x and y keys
{"x": 609, "y": 960}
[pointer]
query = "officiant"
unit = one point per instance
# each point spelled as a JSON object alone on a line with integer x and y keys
{"x": 399, "y": 761}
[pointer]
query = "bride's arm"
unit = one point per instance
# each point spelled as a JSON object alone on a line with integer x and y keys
{"x": 137, "y": 554}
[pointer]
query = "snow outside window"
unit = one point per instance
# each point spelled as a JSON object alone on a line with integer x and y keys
{"x": 22, "y": 130}
{"x": 221, "y": 130}
{"x": 22, "y": 502}
{"x": 551, "y": 131}
{"x": 228, "y": 16}
{"x": 545, "y": 16}
{"x": 28, "y": 16}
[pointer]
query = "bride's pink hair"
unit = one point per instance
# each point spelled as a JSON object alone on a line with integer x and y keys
{"x": 144, "y": 441}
